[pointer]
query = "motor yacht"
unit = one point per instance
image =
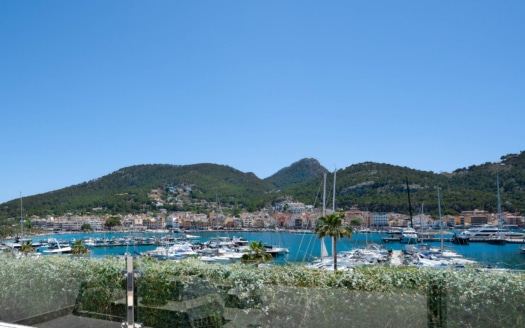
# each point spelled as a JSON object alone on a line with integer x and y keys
{"x": 409, "y": 236}
{"x": 488, "y": 230}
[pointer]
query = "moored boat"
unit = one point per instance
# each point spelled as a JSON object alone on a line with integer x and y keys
{"x": 497, "y": 240}
{"x": 173, "y": 252}
{"x": 56, "y": 248}
{"x": 488, "y": 230}
{"x": 460, "y": 239}
{"x": 409, "y": 236}
{"x": 274, "y": 250}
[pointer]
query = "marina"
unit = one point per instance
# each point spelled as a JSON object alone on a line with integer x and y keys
{"x": 302, "y": 247}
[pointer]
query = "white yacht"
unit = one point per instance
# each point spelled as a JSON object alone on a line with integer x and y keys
{"x": 409, "y": 236}
{"x": 493, "y": 231}
{"x": 56, "y": 248}
{"x": 175, "y": 251}
{"x": 488, "y": 230}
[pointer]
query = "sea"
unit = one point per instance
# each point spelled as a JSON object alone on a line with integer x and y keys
{"x": 305, "y": 246}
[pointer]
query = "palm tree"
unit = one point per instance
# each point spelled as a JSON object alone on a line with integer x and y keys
{"x": 78, "y": 248}
{"x": 331, "y": 226}
{"x": 27, "y": 247}
{"x": 256, "y": 254}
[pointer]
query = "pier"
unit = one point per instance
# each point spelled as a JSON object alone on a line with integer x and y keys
{"x": 397, "y": 258}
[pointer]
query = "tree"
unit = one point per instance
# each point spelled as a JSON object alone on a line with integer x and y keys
{"x": 27, "y": 247}
{"x": 112, "y": 222}
{"x": 355, "y": 222}
{"x": 78, "y": 248}
{"x": 256, "y": 254}
{"x": 331, "y": 226}
{"x": 86, "y": 226}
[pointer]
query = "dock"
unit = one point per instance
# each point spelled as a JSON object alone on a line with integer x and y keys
{"x": 397, "y": 258}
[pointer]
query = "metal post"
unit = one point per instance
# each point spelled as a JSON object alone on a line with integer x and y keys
{"x": 130, "y": 290}
{"x": 130, "y": 274}
{"x": 437, "y": 303}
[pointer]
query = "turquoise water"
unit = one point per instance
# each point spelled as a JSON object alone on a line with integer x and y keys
{"x": 304, "y": 247}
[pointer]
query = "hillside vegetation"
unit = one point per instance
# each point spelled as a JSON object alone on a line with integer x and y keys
{"x": 371, "y": 186}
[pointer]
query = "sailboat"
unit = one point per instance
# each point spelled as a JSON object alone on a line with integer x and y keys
{"x": 494, "y": 233}
{"x": 20, "y": 239}
{"x": 324, "y": 251}
{"x": 409, "y": 234}
{"x": 439, "y": 257}
{"x": 274, "y": 248}
{"x": 324, "y": 261}
{"x": 498, "y": 239}
{"x": 346, "y": 259}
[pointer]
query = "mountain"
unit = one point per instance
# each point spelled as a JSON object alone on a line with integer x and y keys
{"x": 129, "y": 190}
{"x": 376, "y": 187}
{"x": 297, "y": 173}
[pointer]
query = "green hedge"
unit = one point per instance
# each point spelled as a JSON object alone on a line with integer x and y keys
{"x": 290, "y": 296}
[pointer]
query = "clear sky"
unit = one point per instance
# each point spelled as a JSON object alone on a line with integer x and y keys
{"x": 89, "y": 87}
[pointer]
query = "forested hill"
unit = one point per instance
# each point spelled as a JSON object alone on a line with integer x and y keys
{"x": 299, "y": 172}
{"x": 128, "y": 190}
{"x": 382, "y": 187}
{"x": 370, "y": 186}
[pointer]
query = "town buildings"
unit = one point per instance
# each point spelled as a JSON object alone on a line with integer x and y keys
{"x": 286, "y": 215}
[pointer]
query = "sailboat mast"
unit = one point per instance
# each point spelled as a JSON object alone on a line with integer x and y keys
{"x": 409, "y": 204}
{"x": 323, "y": 245}
{"x": 500, "y": 221}
{"x": 440, "y": 221}
{"x": 216, "y": 210}
{"x": 21, "y": 217}
{"x": 333, "y": 200}
{"x": 333, "y": 209}
{"x": 324, "y": 194}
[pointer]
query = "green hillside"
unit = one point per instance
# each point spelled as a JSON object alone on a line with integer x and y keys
{"x": 371, "y": 186}
{"x": 297, "y": 173}
{"x": 382, "y": 187}
{"x": 127, "y": 190}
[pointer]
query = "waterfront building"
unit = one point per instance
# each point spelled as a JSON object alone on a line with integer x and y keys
{"x": 475, "y": 217}
{"x": 380, "y": 220}
{"x": 515, "y": 219}
{"x": 172, "y": 222}
{"x": 96, "y": 224}
{"x": 356, "y": 214}
{"x": 298, "y": 222}
{"x": 150, "y": 223}
{"x": 258, "y": 223}
{"x": 449, "y": 220}
{"x": 247, "y": 221}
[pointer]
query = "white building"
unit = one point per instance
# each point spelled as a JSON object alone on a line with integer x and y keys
{"x": 380, "y": 220}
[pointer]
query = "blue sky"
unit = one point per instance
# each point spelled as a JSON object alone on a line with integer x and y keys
{"x": 89, "y": 87}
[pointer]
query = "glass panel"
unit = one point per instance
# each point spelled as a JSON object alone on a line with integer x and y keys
{"x": 51, "y": 291}
{"x": 86, "y": 291}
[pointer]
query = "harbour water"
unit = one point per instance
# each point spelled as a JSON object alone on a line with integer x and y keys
{"x": 303, "y": 247}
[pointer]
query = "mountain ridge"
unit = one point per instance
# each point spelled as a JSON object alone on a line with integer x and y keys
{"x": 371, "y": 186}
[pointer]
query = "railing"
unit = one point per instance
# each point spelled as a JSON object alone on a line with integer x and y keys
{"x": 115, "y": 293}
